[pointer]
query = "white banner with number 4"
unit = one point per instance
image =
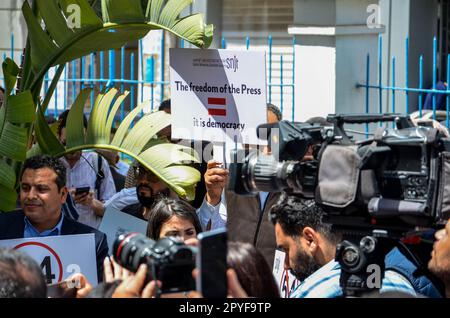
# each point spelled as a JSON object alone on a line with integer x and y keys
{"x": 60, "y": 256}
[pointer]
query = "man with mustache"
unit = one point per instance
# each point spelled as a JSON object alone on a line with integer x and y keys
{"x": 440, "y": 257}
{"x": 148, "y": 189}
{"x": 43, "y": 191}
{"x": 310, "y": 247}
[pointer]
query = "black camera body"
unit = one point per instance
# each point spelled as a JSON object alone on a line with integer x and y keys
{"x": 168, "y": 260}
{"x": 394, "y": 181}
{"x": 374, "y": 192}
{"x": 408, "y": 175}
{"x": 281, "y": 169}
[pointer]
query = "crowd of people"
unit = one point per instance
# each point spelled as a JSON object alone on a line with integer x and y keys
{"x": 69, "y": 196}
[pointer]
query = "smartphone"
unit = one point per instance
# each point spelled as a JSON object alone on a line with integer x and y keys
{"x": 61, "y": 290}
{"x": 82, "y": 190}
{"x": 212, "y": 264}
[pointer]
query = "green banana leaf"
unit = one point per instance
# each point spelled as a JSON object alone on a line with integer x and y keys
{"x": 54, "y": 39}
{"x": 166, "y": 160}
{"x": 16, "y": 115}
{"x": 9, "y": 198}
{"x": 60, "y": 40}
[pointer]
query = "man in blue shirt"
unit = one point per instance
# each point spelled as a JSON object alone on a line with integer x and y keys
{"x": 43, "y": 191}
{"x": 31, "y": 231}
{"x": 440, "y": 257}
{"x": 310, "y": 247}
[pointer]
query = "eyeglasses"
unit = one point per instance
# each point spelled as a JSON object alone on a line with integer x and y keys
{"x": 140, "y": 173}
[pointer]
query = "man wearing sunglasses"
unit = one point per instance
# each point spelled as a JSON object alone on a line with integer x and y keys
{"x": 149, "y": 188}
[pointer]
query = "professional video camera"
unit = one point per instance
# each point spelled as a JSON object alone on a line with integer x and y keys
{"x": 168, "y": 260}
{"x": 374, "y": 191}
{"x": 398, "y": 175}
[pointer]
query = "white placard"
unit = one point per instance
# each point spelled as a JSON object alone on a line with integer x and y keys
{"x": 60, "y": 256}
{"x": 286, "y": 282}
{"x": 218, "y": 95}
{"x": 114, "y": 221}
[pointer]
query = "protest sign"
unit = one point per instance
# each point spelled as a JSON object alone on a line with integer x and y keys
{"x": 218, "y": 95}
{"x": 60, "y": 256}
{"x": 286, "y": 282}
{"x": 115, "y": 221}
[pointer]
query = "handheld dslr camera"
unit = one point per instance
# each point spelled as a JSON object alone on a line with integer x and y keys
{"x": 168, "y": 260}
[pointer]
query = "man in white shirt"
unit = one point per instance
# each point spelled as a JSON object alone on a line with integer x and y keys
{"x": 83, "y": 170}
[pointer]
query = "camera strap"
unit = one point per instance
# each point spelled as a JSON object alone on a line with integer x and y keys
{"x": 100, "y": 175}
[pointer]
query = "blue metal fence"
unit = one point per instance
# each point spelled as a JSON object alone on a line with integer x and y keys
{"x": 392, "y": 88}
{"x": 109, "y": 76}
{"x": 87, "y": 77}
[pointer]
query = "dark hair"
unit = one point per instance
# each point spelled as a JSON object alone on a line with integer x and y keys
{"x": 63, "y": 121}
{"x": 44, "y": 161}
{"x": 50, "y": 119}
{"x": 104, "y": 289}
{"x": 166, "y": 208}
{"x": 294, "y": 213}
{"x": 253, "y": 272}
{"x": 20, "y": 276}
{"x": 275, "y": 110}
{"x": 165, "y": 106}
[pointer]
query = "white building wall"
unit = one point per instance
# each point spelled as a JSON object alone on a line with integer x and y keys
{"x": 417, "y": 21}
{"x": 351, "y": 61}
{"x": 395, "y": 15}
{"x": 312, "y": 95}
{"x": 257, "y": 20}
{"x": 333, "y": 41}
{"x": 11, "y": 22}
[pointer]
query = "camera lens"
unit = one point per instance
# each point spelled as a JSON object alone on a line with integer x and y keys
{"x": 263, "y": 172}
{"x": 350, "y": 256}
{"x": 169, "y": 260}
{"x": 368, "y": 244}
{"x": 132, "y": 249}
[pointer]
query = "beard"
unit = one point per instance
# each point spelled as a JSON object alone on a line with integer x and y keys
{"x": 146, "y": 201}
{"x": 441, "y": 272}
{"x": 149, "y": 200}
{"x": 304, "y": 265}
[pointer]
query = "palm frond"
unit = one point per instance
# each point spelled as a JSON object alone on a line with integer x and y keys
{"x": 134, "y": 136}
{"x": 54, "y": 38}
{"x": 16, "y": 115}
{"x": 122, "y": 21}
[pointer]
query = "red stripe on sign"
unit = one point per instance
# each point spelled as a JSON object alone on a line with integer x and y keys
{"x": 217, "y": 101}
{"x": 217, "y": 112}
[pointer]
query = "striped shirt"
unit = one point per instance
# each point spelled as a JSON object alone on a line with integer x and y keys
{"x": 324, "y": 283}
{"x": 83, "y": 174}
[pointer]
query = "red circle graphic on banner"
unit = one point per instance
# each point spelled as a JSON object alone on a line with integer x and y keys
{"x": 58, "y": 260}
